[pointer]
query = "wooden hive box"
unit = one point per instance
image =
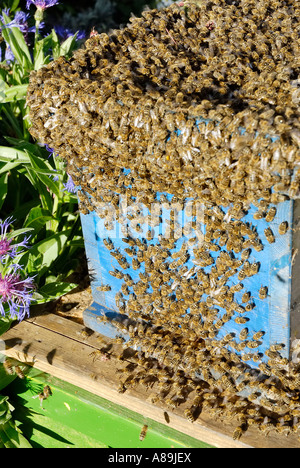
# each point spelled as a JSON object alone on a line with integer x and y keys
{"x": 276, "y": 315}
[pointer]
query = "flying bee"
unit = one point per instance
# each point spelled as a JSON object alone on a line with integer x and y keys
{"x": 47, "y": 391}
{"x": 19, "y": 372}
{"x": 283, "y": 227}
{"x": 269, "y": 235}
{"x": 8, "y": 367}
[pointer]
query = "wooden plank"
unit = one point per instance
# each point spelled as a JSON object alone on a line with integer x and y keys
{"x": 67, "y": 358}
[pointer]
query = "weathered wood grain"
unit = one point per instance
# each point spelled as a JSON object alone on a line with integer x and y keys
{"x": 57, "y": 346}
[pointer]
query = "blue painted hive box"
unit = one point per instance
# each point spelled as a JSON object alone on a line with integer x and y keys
{"x": 265, "y": 301}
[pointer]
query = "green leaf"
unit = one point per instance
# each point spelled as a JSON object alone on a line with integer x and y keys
{"x": 9, "y": 166}
{"x": 18, "y": 232}
{"x": 37, "y": 218}
{"x": 68, "y": 46}
{"x": 5, "y": 324}
{"x": 42, "y": 168}
{"x": 45, "y": 196}
{"x": 56, "y": 289}
{"x": 14, "y": 93}
{"x": 5, "y": 379}
{"x": 9, "y": 154}
{"x": 3, "y": 188}
{"x": 55, "y": 45}
{"x": 42, "y": 48}
{"x": 41, "y": 255}
{"x": 15, "y": 436}
{"x": 15, "y": 39}
{"x": 24, "y": 145}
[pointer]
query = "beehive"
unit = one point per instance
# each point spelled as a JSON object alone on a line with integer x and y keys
{"x": 182, "y": 132}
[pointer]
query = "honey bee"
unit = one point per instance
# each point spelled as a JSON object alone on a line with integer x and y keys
{"x": 8, "y": 367}
{"x": 270, "y": 215}
{"x": 263, "y": 292}
{"x": 243, "y": 334}
{"x": 47, "y": 391}
{"x": 104, "y": 287}
{"x": 19, "y": 372}
{"x": 238, "y": 432}
{"x": 253, "y": 344}
{"x": 258, "y": 335}
{"x": 115, "y": 95}
{"x": 283, "y": 227}
{"x": 246, "y": 297}
{"x": 258, "y": 215}
{"x": 241, "y": 320}
{"x": 108, "y": 244}
{"x": 269, "y": 235}
{"x": 189, "y": 414}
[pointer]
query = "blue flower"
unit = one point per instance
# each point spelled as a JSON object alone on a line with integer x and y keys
{"x": 64, "y": 33}
{"x": 70, "y": 186}
{"x": 19, "y": 21}
{"x": 16, "y": 293}
{"x": 8, "y": 55}
{"x": 41, "y": 4}
{"x": 51, "y": 151}
{"x": 7, "y": 248}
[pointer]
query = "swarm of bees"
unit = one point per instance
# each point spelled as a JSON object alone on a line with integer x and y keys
{"x": 166, "y": 98}
{"x": 197, "y": 101}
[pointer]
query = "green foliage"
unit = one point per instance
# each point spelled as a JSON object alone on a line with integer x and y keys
{"x": 32, "y": 181}
{"x": 10, "y": 435}
{"x": 32, "y": 188}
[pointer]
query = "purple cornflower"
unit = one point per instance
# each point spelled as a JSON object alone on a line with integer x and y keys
{"x": 51, "y": 151}
{"x": 15, "y": 292}
{"x": 8, "y": 55}
{"x": 70, "y": 186}
{"x": 6, "y": 246}
{"x": 63, "y": 33}
{"x": 19, "y": 21}
{"x": 42, "y": 4}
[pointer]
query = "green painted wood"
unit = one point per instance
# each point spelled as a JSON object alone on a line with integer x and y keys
{"x": 75, "y": 418}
